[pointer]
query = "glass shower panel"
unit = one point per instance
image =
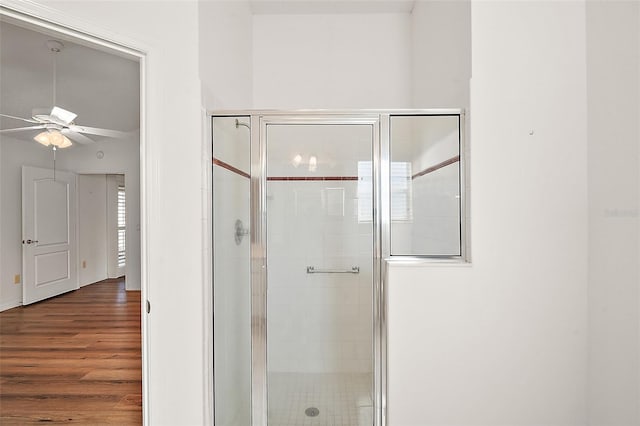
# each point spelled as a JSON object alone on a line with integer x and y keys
{"x": 319, "y": 274}
{"x": 425, "y": 185}
{"x": 231, "y": 271}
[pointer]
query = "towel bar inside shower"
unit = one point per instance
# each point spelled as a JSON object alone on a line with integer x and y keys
{"x": 314, "y": 270}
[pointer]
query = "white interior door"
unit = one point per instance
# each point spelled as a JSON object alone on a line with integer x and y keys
{"x": 48, "y": 234}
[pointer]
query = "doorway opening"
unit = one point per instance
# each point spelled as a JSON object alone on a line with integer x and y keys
{"x": 102, "y": 229}
{"x": 100, "y": 82}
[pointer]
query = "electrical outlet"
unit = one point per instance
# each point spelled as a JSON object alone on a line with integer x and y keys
{"x": 84, "y": 264}
{"x": 16, "y": 279}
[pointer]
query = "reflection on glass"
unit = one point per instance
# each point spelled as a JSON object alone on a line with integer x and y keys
{"x": 425, "y": 185}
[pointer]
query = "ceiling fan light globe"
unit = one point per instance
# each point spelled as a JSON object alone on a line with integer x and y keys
{"x": 65, "y": 142}
{"x": 54, "y": 138}
{"x": 58, "y": 140}
{"x": 43, "y": 138}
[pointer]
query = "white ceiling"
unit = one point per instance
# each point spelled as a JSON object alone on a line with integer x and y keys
{"x": 103, "y": 89}
{"x": 290, "y": 7}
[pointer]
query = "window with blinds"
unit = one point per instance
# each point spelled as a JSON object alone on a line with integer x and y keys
{"x": 122, "y": 257}
{"x": 401, "y": 206}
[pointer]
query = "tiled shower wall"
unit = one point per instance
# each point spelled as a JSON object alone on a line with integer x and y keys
{"x": 436, "y": 195}
{"x": 318, "y": 323}
{"x": 436, "y": 204}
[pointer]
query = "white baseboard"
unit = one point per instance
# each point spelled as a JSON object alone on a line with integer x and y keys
{"x": 93, "y": 280}
{"x": 10, "y": 304}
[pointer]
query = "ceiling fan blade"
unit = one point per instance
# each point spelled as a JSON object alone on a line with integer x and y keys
{"x": 62, "y": 115}
{"x": 99, "y": 132}
{"x": 77, "y": 137}
{"x": 21, "y": 129}
{"x": 19, "y": 118}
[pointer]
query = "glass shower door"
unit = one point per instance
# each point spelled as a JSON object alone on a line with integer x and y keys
{"x": 319, "y": 242}
{"x": 231, "y": 271}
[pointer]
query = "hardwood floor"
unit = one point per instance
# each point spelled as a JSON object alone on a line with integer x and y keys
{"x": 74, "y": 359}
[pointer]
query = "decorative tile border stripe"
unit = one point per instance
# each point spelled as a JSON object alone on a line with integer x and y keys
{"x": 235, "y": 170}
{"x": 437, "y": 167}
{"x": 230, "y": 168}
{"x": 311, "y": 178}
{"x": 330, "y": 178}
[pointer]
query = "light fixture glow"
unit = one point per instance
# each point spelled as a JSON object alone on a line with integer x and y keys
{"x": 54, "y": 138}
{"x": 313, "y": 163}
{"x": 296, "y": 160}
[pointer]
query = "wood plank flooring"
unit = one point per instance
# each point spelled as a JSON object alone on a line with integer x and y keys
{"x": 73, "y": 359}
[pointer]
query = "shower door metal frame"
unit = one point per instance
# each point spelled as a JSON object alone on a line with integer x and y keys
{"x": 382, "y": 257}
{"x": 259, "y": 240}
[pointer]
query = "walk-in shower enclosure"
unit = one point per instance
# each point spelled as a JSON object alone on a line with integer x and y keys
{"x": 308, "y": 209}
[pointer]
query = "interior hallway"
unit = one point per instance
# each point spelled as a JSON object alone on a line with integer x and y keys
{"x": 75, "y": 358}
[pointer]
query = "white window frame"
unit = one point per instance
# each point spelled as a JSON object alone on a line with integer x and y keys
{"x": 122, "y": 227}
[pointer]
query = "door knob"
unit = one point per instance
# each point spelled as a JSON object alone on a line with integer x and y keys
{"x": 29, "y": 241}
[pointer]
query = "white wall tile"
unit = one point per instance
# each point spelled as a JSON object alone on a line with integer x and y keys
{"x": 317, "y": 322}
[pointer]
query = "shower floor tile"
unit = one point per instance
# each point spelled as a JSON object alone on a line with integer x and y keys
{"x": 342, "y": 399}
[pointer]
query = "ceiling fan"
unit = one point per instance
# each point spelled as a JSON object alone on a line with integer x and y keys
{"x": 58, "y": 125}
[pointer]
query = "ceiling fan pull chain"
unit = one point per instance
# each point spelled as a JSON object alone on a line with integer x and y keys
{"x": 54, "y": 162}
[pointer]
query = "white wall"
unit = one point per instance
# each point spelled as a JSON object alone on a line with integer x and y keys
{"x": 92, "y": 228}
{"x": 331, "y": 61}
{"x": 225, "y": 29}
{"x": 502, "y": 341}
{"x": 613, "y": 77}
{"x": 440, "y": 54}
